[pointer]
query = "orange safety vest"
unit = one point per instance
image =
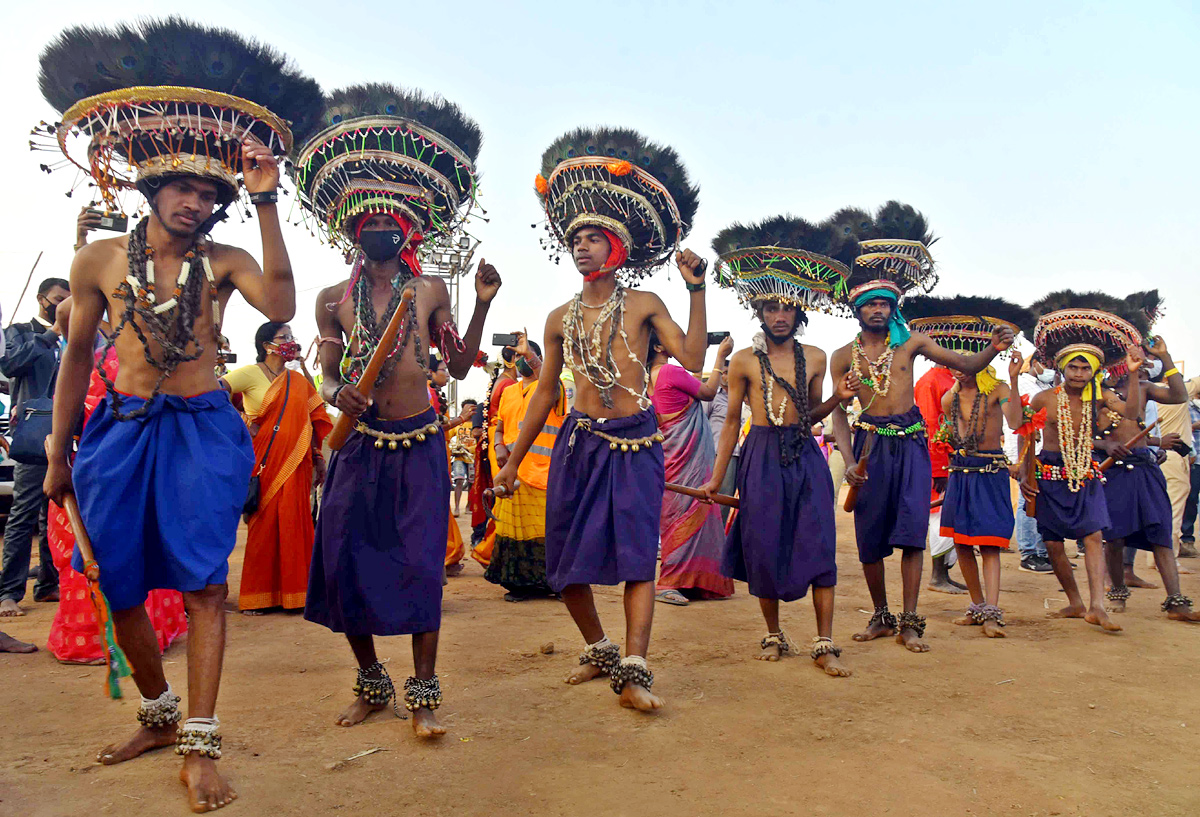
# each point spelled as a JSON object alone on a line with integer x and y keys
{"x": 535, "y": 468}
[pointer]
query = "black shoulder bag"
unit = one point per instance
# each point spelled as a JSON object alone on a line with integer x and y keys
{"x": 34, "y": 424}
{"x": 254, "y": 493}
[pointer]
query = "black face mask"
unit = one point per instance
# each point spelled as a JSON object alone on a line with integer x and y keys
{"x": 523, "y": 368}
{"x": 51, "y": 311}
{"x": 381, "y": 245}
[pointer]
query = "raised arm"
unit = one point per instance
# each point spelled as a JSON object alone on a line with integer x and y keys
{"x": 688, "y": 349}
{"x": 75, "y": 368}
{"x": 739, "y": 380}
{"x": 1002, "y": 338}
{"x": 709, "y": 388}
{"x": 1172, "y": 390}
{"x": 1014, "y": 412}
{"x": 1133, "y": 398}
{"x": 540, "y": 405}
{"x": 487, "y": 284}
{"x": 270, "y": 289}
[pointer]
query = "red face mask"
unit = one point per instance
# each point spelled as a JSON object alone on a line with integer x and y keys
{"x": 288, "y": 350}
{"x": 617, "y": 255}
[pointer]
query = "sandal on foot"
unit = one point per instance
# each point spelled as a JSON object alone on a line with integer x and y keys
{"x": 672, "y": 597}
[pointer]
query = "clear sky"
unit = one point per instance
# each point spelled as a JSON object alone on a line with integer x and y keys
{"x": 1050, "y": 144}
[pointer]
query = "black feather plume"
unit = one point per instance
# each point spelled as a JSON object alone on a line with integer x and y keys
{"x": 384, "y": 99}
{"x": 791, "y": 232}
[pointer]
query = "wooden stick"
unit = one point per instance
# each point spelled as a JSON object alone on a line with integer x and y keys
{"x": 366, "y": 383}
{"x": 1029, "y": 473}
{"x": 28, "y": 278}
{"x": 937, "y": 503}
{"x": 696, "y": 493}
{"x": 90, "y": 568}
{"x": 860, "y": 468}
{"x": 1137, "y": 438}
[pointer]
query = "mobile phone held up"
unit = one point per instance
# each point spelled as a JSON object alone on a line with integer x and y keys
{"x": 715, "y": 338}
{"x": 506, "y": 340}
{"x": 230, "y": 357}
{"x": 110, "y": 221}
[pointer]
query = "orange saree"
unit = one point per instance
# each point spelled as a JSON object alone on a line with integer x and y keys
{"x": 279, "y": 540}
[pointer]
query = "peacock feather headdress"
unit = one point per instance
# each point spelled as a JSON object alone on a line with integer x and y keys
{"x": 787, "y": 259}
{"x": 391, "y": 150}
{"x": 893, "y": 245}
{"x": 963, "y": 323}
{"x": 616, "y": 179}
{"x": 148, "y": 102}
{"x": 1094, "y": 321}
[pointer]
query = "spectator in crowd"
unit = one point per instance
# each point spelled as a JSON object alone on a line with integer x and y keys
{"x": 30, "y": 362}
{"x": 1034, "y": 557}
{"x": 1187, "y": 539}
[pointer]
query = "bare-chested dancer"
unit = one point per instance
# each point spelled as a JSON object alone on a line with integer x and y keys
{"x": 893, "y": 501}
{"x": 1135, "y": 490}
{"x": 605, "y": 485}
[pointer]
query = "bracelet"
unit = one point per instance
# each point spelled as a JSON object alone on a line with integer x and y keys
{"x": 336, "y": 392}
{"x": 265, "y": 197}
{"x": 1169, "y": 372}
{"x": 695, "y": 287}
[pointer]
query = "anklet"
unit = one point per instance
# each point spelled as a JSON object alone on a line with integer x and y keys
{"x": 422, "y": 692}
{"x": 914, "y": 622}
{"x": 990, "y": 612}
{"x": 376, "y": 691}
{"x": 884, "y": 617}
{"x": 200, "y": 735}
{"x": 777, "y": 640}
{"x": 975, "y": 611}
{"x": 1175, "y": 601}
{"x": 1118, "y": 594}
{"x": 824, "y": 646}
{"x": 155, "y": 713}
{"x": 604, "y": 655}
{"x": 631, "y": 670}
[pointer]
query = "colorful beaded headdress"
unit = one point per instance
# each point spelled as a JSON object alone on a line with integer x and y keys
{"x": 1088, "y": 321}
{"x": 389, "y": 150}
{"x": 785, "y": 259}
{"x": 168, "y": 98}
{"x": 893, "y": 246}
{"x": 617, "y": 180}
{"x": 963, "y": 323}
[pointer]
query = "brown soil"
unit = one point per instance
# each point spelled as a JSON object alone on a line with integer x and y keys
{"x": 1059, "y": 718}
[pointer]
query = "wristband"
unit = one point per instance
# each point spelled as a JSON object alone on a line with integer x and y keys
{"x": 1169, "y": 372}
{"x": 695, "y": 287}
{"x": 336, "y": 392}
{"x": 265, "y": 197}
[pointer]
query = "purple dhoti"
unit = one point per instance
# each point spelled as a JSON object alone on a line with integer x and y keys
{"x": 1065, "y": 514}
{"x": 378, "y": 560}
{"x": 1139, "y": 508}
{"x": 603, "y": 504}
{"x": 783, "y": 540}
{"x": 892, "y": 510}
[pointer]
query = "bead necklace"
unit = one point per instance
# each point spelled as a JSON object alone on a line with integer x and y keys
{"x": 1075, "y": 442}
{"x": 969, "y": 444}
{"x": 879, "y": 373}
{"x": 592, "y": 355}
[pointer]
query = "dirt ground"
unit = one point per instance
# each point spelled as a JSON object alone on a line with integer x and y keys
{"x": 1059, "y": 718}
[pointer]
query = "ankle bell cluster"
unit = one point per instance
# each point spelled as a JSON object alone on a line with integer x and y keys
{"x": 155, "y": 713}
{"x": 631, "y": 670}
{"x": 914, "y": 622}
{"x": 883, "y": 616}
{"x": 776, "y": 640}
{"x": 1118, "y": 594}
{"x": 980, "y": 613}
{"x": 199, "y": 735}
{"x": 1176, "y": 601}
{"x": 422, "y": 692}
{"x": 604, "y": 655}
{"x": 824, "y": 646}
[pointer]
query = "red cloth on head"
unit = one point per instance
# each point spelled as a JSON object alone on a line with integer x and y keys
{"x": 412, "y": 240}
{"x": 617, "y": 256}
{"x": 927, "y": 394}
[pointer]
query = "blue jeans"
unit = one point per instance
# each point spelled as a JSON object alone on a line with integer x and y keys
{"x": 1029, "y": 541}
{"x": 27, "y": 516}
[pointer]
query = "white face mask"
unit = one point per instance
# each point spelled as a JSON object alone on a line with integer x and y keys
{"x": 1047, "y": 377}
{"x": 1155, "y": 368}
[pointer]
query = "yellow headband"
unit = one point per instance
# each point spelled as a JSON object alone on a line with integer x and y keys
{"x": 1089, "y": 353}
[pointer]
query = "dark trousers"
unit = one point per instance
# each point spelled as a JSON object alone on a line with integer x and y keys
{"x": 1189, "y": 508}
{"x": 28, "y": 514}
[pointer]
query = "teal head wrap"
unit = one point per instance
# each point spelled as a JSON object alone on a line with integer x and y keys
{"x": 898, "y": 331}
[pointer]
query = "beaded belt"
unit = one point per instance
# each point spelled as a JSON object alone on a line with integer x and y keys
{"x": 997, "y": 464}
{"x": 891, "y": 429}
{"x": 1058, "y": 473}
{"x": 626, "y": 444}
{"x": 393, "y": 440}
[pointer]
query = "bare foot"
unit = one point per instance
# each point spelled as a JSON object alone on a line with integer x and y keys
{"x": 1114, "y": 605}
{"x": 1183, "y": 614}
{"x": 1185, "y": 571}
{"x": 993, "y": 630}
{"x": 143, "y": 740}
{"x": 1101, "y": 619}
{"x": 876, "y": 629}
{"x": 771, "y": 652}
{"x": 357, "y": 712}
{"x": 454, "y": 569}
{"x": 640, "y": 698}
{"x": 10, "y": 609}
{"x": 10, "y": 644}
{"x": 425, "y": 724}
{"x": 207, "y": 790}
{"x": 583, "y": 674}
{"x": 946, "y": 585}
{"x": 1069, "y": 611}
{"x": 832, "y": 666}
{"x": 95, "y": 662}
{"x": 911, "y": 641}
{"x": 966, "y": 620}
{"x": 1133, "y": 580}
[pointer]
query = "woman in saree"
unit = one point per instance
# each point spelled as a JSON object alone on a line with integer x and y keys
{"x": 692, "y": 534}
{"x": 287, "y": 419}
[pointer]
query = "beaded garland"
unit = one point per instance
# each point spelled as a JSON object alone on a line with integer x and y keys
{"x": 1075, "y": 442}
{"x": 891, "y": 429}
{"x": 879, "y": 372}
{"x": 592, "y": 354}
